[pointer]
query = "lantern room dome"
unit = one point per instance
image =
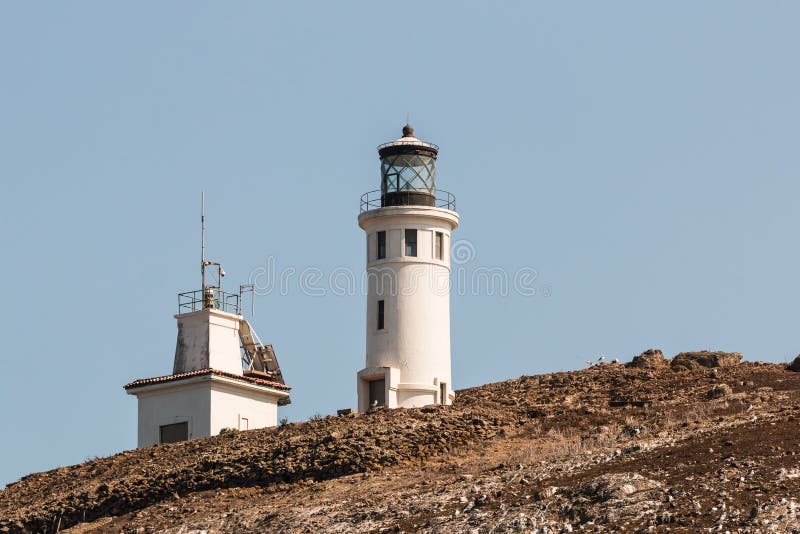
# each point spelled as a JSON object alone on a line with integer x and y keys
{"x": 408, "y": 144}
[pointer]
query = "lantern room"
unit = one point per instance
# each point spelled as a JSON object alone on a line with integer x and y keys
{"x": 408, "y": 171}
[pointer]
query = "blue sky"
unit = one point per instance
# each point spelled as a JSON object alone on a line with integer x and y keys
{"x": 641, "y": 158}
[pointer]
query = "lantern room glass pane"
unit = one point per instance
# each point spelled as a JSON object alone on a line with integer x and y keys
{"x": 408, "y": 172}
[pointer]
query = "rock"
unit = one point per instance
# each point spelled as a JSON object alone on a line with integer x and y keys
{"x": 719, "y": 391}
{"x": 548, "y": 492}
{"x": 649, "y": 359}
{"x": 612, "y": 497}
{"x": 708, "y": 359}
{"x": 618, "y": 486}
{"x": 795, "y": 365}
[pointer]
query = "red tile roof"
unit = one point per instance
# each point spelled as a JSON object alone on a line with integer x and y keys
{"x": 201, "y": 372}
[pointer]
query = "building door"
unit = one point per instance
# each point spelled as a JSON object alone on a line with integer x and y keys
{"x": 443, "y": 393}
{"x": 377, "y": 393}
{"x": 174, "y": 432}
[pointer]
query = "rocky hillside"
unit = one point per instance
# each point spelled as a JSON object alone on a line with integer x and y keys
{"x": 698, "y": 443}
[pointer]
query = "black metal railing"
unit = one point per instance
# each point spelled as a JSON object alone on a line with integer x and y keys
{"x": 377, "y": 199}
{"x": 212, "y": 297}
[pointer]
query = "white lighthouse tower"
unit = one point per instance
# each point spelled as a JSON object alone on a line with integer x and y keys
{"x": 408, "y": 223}
{"x": 222, "y": 375}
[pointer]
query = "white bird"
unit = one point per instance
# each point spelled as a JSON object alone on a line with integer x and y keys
{"x": 600, "y": 359}
{"x": 616, "y": 360}
{"x": 589, "y": 363}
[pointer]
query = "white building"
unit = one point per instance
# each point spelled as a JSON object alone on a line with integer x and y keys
{"x": 222, "y": 376}
{"x": 408, "y": 223}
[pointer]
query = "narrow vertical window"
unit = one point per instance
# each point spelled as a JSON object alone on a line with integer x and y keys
{"x": 411, "y": 242}
{"x": 381, "y": 245}
{"x": 439, "y": 246}
{"x": 380, "y": 314}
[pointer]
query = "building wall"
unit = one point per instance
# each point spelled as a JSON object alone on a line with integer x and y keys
{"x": 231, "y": 405}
{"x": 189, "y": 402}
{"x": 416, "y": 292}
{"x": 413, "y": 398}
{"x": 207, "y": 404}
{"x": 208, "y": 339}
{"x": 416, "y": 333}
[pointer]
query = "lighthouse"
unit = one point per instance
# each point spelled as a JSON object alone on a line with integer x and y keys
{"x": 408, "y": 223}
{"x": 223, "y": 376}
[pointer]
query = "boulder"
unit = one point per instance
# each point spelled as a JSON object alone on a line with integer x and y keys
{"x": 795, "y": 365}
{"x": 649, "y": 359}
{"x": 618, "y": 487}
{"x": 616, "y": 498}
{"x": 719, "y": 391}
{"x": 706, "y": 359}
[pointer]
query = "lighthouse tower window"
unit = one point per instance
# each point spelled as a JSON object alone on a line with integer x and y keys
{"x": 411, "y": 242}
{"x": 380, "y": 314}
{"x": 439, "y": 245}
{"x": 381, "y": 245}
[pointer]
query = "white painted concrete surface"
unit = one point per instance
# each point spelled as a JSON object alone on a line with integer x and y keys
{"x": 165, "y": 404}
{"x": 208, "y": 403}
{"x": 231, "y": 402}
{"x": 208, "y": 339}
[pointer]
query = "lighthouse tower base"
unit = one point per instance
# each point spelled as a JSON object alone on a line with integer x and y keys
{"x": 381, "y": 386}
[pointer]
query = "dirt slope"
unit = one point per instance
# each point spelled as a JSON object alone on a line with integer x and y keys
{"x": 657, "y": 448}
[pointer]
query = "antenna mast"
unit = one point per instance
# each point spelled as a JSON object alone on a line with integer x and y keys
{"x": 203, "y": 238}
{"x": 210, "y": 299}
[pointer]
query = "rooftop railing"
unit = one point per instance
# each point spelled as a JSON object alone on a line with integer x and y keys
{"x": 376, "y": 199}
{"x": 193, "y": 301}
